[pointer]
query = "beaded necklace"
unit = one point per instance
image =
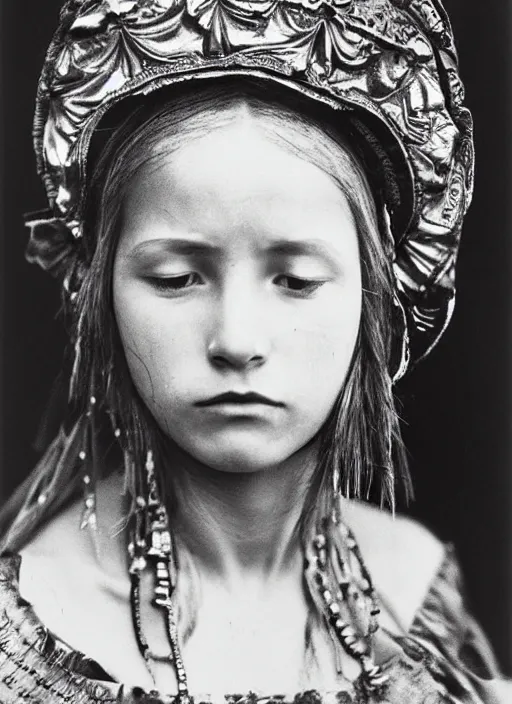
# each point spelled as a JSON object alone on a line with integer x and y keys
{"x": 336, "y": 575}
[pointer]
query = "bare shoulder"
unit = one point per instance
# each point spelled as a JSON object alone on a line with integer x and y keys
{"x": 49, "y": 560}
{"x": 61, "y": 570}
{"x": 402, "y": 556}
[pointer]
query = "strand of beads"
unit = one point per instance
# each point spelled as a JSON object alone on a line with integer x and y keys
{"x": 352, "y": 585}
{"x": 137, "y": 550}
{"x": 152, "y": 521}
{"x": 142, "y": 643}
{"x": 368, "y": 586}
{"x": 87, "y": 456}
{"x": 333, "y": 594}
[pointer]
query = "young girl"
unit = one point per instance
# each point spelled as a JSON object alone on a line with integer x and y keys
{"x": 255, "y": 212}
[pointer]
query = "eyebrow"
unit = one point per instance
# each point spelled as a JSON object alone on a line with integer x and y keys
{"x": 175, "y": 245}
{"x": 192, "y": 247}
{"x": 310, "y": 248}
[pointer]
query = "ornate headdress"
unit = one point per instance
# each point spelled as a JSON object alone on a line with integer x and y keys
{"x": 389, "y": 65}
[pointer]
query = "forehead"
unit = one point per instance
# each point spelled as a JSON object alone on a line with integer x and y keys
{"x": 236, "y": 179}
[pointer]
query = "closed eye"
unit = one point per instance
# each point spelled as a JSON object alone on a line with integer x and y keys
{"x": 175, "y": 283}
{"x": 297, "y": 285}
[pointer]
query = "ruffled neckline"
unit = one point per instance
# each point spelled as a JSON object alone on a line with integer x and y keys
{"x": 414, "y": 671}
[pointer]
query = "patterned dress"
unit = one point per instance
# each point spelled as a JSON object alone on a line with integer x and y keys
{"x": 443, "y": 658}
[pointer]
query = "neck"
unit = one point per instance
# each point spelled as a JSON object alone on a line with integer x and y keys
{"x": 241, "y": 524}
{"x": 234, "y": 525}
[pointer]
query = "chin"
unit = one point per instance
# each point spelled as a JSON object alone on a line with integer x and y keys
{"x": 241, "y": 450}
{"x": 241, "y": 461}
{"x": 242, "y": 457}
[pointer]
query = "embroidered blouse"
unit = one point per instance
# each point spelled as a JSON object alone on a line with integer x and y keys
{"x": 444, "y": 658}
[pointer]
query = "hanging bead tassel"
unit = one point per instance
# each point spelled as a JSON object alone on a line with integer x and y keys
{"x": 88, "y": 457}
{"x": 151, "y": 543}
{"x": 142, "y": 643}
{"x": 335, "y": 587}
{"x": 89, "y": 519}
{"x": 161, "y": 554}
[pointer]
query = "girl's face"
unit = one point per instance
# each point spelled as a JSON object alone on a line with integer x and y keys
{"x": 237, "y": 292}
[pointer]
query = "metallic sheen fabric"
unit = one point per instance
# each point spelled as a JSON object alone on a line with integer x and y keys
{"x": 389, "y": 65}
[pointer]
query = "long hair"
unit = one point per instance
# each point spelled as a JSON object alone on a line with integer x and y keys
{"x": 360, "y": 441}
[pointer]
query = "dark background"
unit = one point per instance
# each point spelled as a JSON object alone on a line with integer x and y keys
{"x": 457, "y": 404}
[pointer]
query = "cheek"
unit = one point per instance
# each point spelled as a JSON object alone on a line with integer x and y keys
{"x": 325, "y": 353}
{"x": 156, "y": 347}
{"x": 320, "y": 349}
{"x": 147, "y": 352}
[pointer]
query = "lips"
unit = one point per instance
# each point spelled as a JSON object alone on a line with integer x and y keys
{"x": 232, "y": 397}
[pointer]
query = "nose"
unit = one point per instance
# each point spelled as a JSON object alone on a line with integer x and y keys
{"x": 238, "y": 340}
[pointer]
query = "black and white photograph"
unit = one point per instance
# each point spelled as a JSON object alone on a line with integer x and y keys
{"x": 256, "y": 352}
